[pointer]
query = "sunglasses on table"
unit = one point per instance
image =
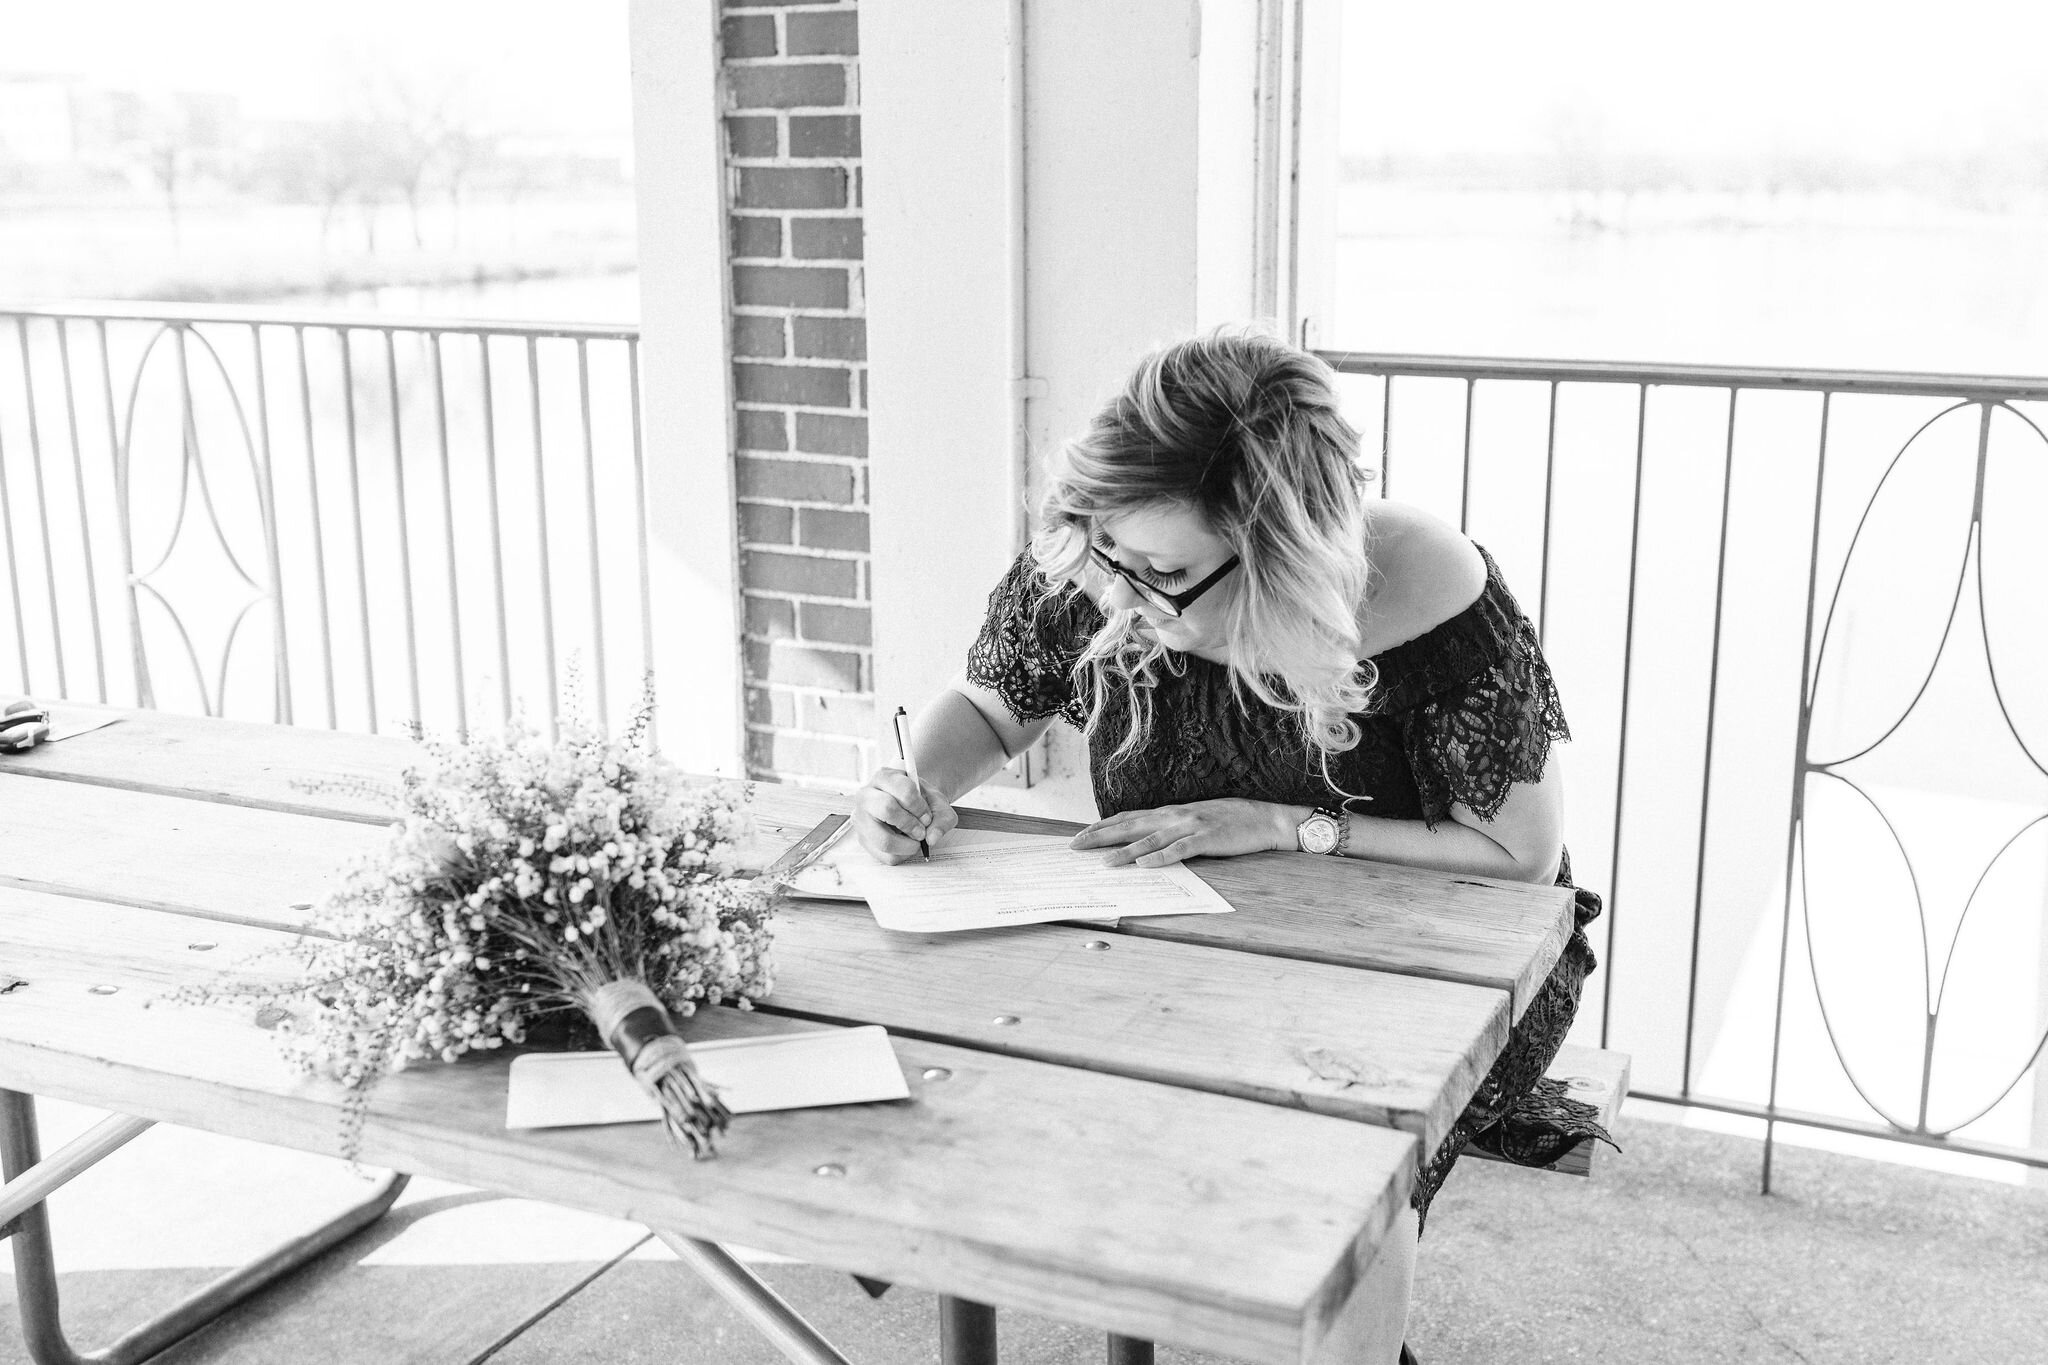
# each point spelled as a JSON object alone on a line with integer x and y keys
{"x": 1171, "y": 603}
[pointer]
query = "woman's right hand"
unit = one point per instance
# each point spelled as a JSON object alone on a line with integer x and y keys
{"x": 891, "y": 813}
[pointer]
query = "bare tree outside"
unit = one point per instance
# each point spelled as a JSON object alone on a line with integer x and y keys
{"x": 289, "y": 157}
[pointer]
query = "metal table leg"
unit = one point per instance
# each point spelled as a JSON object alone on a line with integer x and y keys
{"x": 967, "y": 1332}
{"x": 35, "y": 1270}
{"x": 755, "y": 1298}
{"x": 1129, "y": 1351}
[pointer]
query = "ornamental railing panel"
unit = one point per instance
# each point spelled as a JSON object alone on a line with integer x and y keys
{"x": 353, "y": 521}
{"x": 1800, "y": 622}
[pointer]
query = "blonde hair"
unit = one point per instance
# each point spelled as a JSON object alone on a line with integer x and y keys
{"x": 1243, "y": 429}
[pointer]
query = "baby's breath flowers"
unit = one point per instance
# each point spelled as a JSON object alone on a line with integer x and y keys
{"x": 525, "y": 877}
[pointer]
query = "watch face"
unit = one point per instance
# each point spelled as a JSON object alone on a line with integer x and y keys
{"x": 1318, "y": 834}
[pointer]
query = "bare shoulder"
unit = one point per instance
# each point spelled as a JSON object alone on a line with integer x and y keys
{"x": 1425, "y": 571}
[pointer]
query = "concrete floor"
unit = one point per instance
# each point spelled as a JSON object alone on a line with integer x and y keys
{"x": 1667, "y": 1255}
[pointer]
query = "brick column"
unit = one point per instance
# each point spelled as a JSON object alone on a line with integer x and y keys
{"x": 799, "y": 345}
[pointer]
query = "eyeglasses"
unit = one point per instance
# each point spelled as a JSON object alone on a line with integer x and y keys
{"x": 1171, "y": 603}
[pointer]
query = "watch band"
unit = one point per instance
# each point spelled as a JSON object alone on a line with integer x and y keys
{"x": 1343, "y": 820}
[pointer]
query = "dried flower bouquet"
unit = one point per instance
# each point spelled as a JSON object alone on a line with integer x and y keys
{"x": 526, "y": 878}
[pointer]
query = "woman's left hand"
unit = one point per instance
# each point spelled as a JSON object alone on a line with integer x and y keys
{"x": 1198, "y": 829}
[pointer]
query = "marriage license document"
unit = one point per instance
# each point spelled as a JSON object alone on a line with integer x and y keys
{"x": 981, "y": 880}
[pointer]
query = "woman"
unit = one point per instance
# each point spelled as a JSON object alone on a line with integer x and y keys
{"x": 1262, "y": 656}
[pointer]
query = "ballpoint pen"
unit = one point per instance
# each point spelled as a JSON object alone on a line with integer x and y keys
{"x": 909, "y": 757}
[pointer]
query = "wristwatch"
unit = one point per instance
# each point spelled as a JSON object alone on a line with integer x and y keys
{"x": 1325, "y": 831}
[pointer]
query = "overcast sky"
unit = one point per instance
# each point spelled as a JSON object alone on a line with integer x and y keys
{"x": 553, "y": 65}
{"x": 1871, "y": 77}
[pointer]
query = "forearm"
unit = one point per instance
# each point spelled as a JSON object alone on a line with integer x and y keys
{"x": 1448, "y": 847}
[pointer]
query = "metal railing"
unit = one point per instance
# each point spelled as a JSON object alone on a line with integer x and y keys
{"x": 1750, "y": 583}
{"x": 1820, "y": 759}
{"x": 384, "y": 497}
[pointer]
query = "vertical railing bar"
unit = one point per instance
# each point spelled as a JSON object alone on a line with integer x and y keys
{"x": 1549, "y": 511}
{"x": 1699, "y": 882}
{"x": 1798, "y": 811}
{"x": 412, "y": 649}
{"x": 1628, "y": 656}
{"x": 640, "y": 521}
{"x": 35, "y": 456}
{"x": 540, "y": 512}
{"x": 13, "y": 568}
{"x": 1465, "y": 466}
{"x": 189, "y": 435}
{"x": 1387, "y": 438}
{"x": 448, "y": 539}
{"x": 319, "y": 532}
{"x": 92, "y": 578}
{"x": 483, "y": 343}
{"x": 590, "y": 504}
{"x": 355, "y": 502}
{"x": 144, "y": 695}
{"x": 283, "y": 702}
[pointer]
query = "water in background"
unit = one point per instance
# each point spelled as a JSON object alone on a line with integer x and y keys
{"x": 609, "y": 299}
{"x": 1831, "y": 281}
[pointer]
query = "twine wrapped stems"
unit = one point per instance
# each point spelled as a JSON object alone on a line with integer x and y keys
{"x": 633, "y": 1023}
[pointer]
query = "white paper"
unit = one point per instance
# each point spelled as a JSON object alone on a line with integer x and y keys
{"x": 776, "y": 1071}
{"x": 834, "y": 873}
{"x": 1025, "y": 880}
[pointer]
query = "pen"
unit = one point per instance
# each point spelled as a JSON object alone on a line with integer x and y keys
{"x": 909, "y": 757}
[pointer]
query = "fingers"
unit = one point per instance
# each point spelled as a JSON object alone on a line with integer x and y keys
{"x": 1179, "y": 850}
{"x": 888, "y": 816}
{"x": 892, "y": 814}
{"x": 896, "y": 785}
{"x": 883, "y": 844}
{"x": 1139, "y": 850}
{"x": 1117, "y": 829}
{"x": 942, "y": 819}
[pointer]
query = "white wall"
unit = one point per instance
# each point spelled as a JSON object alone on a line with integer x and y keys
{"x": 938, "y": 96}
{"x": 1226, "y": 152}
{"x": 686, "y": 385}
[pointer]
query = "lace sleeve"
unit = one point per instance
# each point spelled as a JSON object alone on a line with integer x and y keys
{"x": 1490, "y": 723}
{"x": 1028, "y": 643}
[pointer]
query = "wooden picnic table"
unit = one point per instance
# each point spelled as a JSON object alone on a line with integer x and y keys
{"x": 1194, "y": 1130}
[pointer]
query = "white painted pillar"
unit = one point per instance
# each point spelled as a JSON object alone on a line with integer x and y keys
{"x": 939, "y": 90}
{"x": 1054, "y": 187}
{"x": 1316, "y": 165}
{"x": 686, "y": 384}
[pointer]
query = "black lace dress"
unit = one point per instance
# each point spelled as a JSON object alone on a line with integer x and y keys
{"x": 1458, "y": 715}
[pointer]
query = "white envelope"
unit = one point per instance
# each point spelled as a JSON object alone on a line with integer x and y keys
{"x": 776, "y": 1071}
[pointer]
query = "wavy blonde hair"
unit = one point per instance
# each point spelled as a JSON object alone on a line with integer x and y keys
{"x": 1243, "y": 429}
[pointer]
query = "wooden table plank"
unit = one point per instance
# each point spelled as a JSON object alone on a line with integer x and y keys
{"x": 277, "y": 767}
{"x": 1403, "y": 1051}
{"x": 1155, "y": 1211}
{"x": 1351, "y": 912}
{"x": 1479, "y": 930}
{"x": 1355, "y": 913}
{"x": 1400, "y": 1051}
{"x": 239, "y": 863}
